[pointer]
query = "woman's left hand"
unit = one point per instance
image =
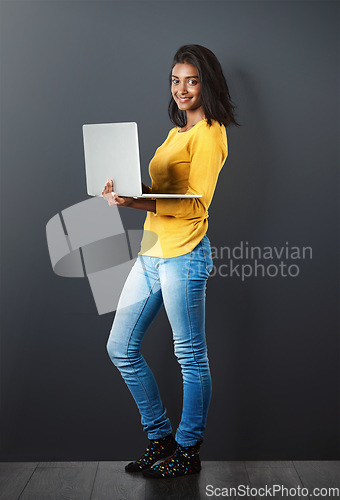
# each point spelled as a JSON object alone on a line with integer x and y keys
{"x": 112, "y": 198}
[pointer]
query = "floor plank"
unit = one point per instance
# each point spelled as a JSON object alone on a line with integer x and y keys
{"x": 181, "y": 488}
{"x": 112, "y": 482}
{"x": 320, "y": 474}
{"x": 14, "y": 477}
{"x": 61, "y": 483}
{"x": 66, "y": 464}
{"x": 280, "y": 477}
{"x": 218, "y": 475}
{"x": 268, "y": 463}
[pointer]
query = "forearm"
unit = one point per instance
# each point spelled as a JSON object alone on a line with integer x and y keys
{"x": 144, "y": 204}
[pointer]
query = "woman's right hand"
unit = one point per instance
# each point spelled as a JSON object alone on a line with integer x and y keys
{"x": 113, "y": 199}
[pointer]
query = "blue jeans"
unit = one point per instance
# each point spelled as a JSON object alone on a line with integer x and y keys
{"x": 179, "y": 283}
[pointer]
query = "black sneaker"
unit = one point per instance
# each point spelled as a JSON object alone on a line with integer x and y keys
{"x": 157, "y": 449}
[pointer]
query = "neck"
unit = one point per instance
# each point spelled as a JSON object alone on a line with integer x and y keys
{"x": 194, "y": 117}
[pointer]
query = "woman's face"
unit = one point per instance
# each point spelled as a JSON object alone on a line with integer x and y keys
{"x": 186, "y": 87}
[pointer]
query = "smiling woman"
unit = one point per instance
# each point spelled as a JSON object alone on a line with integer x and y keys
{"x": 173, "y": 269}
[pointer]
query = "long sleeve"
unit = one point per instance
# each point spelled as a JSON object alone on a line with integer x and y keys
{"x": 208, "y": 151}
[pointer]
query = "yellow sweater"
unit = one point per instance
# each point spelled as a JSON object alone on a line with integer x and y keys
{"x": 186, "y": 163}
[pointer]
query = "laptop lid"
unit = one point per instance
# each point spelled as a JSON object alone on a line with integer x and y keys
{"x": 111, "y": 151}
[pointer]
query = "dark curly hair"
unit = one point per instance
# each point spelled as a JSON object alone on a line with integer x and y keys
{"x": 215, "y": 95}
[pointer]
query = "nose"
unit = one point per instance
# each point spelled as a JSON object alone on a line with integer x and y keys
{"x": 183, "y": 88}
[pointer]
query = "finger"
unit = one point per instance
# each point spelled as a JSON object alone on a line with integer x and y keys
{"x": 107, "y": 188}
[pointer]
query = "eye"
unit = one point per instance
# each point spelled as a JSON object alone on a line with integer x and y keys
{"x": 174, "y": 81}
{"x": 192, "y": 82}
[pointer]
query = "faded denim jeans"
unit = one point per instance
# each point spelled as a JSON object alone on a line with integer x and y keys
{"x": 180, "y": 284}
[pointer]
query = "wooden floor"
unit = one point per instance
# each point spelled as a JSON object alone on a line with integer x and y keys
{"x": 108, "y": 480}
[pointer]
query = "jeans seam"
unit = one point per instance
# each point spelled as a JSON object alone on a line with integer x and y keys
{"x": 193, "y": 351}
{"x": 205, "y": 257}
{"x": 128, "y": 343}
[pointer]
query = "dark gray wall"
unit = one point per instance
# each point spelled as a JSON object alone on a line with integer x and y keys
{"x": 273, "y": 341}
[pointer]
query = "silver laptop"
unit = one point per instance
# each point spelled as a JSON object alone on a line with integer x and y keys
{"x": 111, "y": 152}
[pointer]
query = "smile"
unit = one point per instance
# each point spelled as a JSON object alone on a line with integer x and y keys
{"x": 183, "y": 99}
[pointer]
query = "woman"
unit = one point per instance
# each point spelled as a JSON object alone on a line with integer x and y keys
{"x": 174, "y": 262}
